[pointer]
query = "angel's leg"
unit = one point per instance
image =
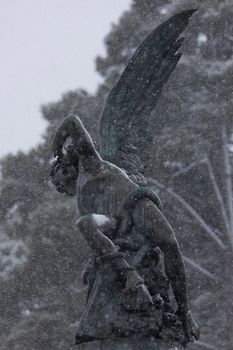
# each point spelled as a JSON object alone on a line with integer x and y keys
{"x": 152, "y": 222}
{"x": 92, "y": 227}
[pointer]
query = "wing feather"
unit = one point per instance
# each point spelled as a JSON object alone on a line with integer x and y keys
{"x": 131, "y": 101}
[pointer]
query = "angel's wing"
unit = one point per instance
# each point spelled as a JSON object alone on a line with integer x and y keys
{"x": 125, "y": 128}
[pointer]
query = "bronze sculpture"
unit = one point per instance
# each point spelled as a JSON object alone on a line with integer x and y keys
{"x": 121, "y": 220}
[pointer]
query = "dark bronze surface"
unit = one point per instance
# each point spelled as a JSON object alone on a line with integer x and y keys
{"x": 121, "y": 220}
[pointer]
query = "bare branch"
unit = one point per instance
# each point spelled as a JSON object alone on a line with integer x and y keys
{"x": 189, "y": 167}
{"x": 192, "y": 211}
{"x": 199, "y": 268}
{"x": 219, "y": 196}
{"x": 227, "y": 166}
{"x": 206, "y": 345}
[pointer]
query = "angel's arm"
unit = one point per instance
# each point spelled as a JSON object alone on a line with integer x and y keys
{"x": 72, "y": 127}
{"x": 82, "y": 146}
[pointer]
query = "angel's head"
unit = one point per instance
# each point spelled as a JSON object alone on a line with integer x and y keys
{"x": 64, "y": 175}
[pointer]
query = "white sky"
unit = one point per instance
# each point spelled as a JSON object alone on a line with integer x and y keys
{"x": 47, "y": 48}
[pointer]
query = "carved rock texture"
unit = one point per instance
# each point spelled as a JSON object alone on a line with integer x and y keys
{"x": 133, "y": 343}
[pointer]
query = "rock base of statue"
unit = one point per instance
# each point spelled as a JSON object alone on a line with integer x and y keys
{"x": 132, "y": 343}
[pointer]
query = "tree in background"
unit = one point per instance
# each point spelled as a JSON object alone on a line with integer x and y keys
{"x": 41, "y": 255}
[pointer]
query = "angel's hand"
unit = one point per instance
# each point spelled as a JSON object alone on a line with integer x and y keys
{"x": 191, "y": 329}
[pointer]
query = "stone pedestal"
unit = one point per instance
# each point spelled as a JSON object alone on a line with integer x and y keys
{"x": 130, "y": 344}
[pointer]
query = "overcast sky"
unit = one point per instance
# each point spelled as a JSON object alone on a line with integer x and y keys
{"x": 47, "y": 48}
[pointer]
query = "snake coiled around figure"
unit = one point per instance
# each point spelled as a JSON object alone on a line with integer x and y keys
{"x": 125, "y": 221}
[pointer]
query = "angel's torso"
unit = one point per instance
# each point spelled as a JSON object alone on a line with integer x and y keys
{"x": 103, "y": 192}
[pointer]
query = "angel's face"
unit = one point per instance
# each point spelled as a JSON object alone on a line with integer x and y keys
{"x": 64, "y": 176}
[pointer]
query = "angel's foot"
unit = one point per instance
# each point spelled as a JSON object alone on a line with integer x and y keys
{"x": 191, "y": 329}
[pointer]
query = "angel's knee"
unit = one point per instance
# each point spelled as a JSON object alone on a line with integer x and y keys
{"x": 163, "y": 233}
{"x": 155, "y": 225}
{"x": 87, "y": 229}
{"x": 85, "y": 223}
{"x": 90, "y": 226}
